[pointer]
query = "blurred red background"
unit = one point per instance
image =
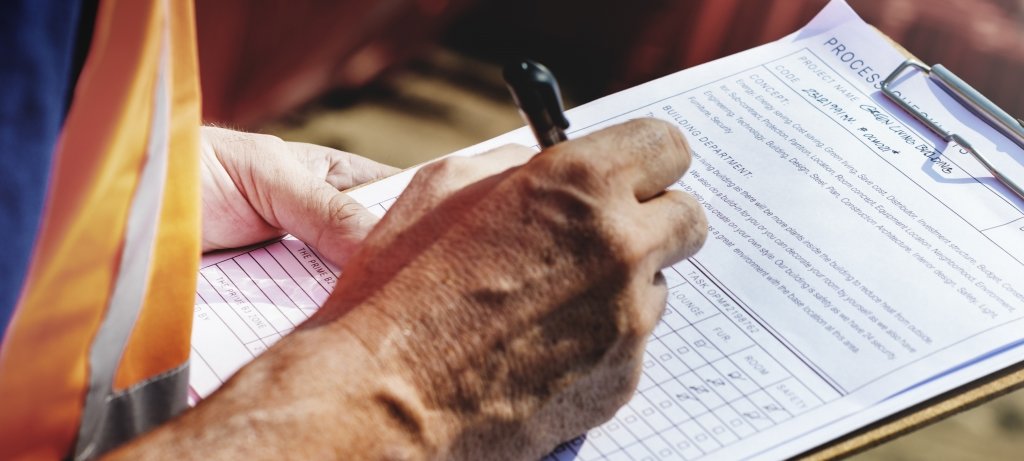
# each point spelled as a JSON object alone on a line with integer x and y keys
{"x": 260, "y": 60}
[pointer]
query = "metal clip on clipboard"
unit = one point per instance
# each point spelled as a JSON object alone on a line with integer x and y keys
{"x": 973, "y": 100}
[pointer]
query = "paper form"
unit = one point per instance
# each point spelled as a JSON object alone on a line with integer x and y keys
{"x": 855, "y": 265}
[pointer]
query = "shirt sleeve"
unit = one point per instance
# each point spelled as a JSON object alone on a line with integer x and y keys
{"x": 41, "y": 43}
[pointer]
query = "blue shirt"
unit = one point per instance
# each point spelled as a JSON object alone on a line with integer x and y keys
{"x": 43, "y": 44}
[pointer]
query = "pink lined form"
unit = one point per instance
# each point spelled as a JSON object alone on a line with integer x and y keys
{"x": 248, "y": 300}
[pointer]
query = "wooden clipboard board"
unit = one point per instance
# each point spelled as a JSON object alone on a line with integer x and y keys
{"x": 930, "y": 411}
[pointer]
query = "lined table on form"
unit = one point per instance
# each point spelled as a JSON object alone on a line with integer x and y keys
{"x": 246, "y": 301}
{"x": 706, "y": 383}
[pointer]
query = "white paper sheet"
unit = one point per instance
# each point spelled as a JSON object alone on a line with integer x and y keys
{"x": 855, "y": 265}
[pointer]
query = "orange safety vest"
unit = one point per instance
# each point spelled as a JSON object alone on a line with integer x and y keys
{"x": 97, "y": 351}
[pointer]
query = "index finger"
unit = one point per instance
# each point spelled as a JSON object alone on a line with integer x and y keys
{"x": 647, "y": 155}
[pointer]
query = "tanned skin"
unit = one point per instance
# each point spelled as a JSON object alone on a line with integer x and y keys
{"x": 499, "y": 308}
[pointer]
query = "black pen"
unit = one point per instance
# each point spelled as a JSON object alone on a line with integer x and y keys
{"x": 536, "y": 93}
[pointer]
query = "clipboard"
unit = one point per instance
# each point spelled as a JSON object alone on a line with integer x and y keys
{"x": 984, "y": 389}
{"x": 930, "y": 411}
{"x": 968, "y": 97}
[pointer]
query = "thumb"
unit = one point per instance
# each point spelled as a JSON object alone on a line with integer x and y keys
{"x": 318, "y": 214}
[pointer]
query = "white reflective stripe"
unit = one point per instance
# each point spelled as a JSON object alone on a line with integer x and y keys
{"x": 130, "y": 285}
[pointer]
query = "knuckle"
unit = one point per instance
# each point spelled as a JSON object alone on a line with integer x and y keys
{"x": 515, "y": 148}
{"x": 686, "y": 204}
{"x": 695, "y": 224}
{"x": 624, "y": 384}
{"x": 654, "y": 128}
{"x": 645, "y": 311}
{"x": 688, "y": 221}
{"x": 658, "y": 302}
{"x": 648, "y": 124}
{"x": 243, "y": 143}
{"x": 627, "y": 238}
{"x": 570, "y": 167}
{"x": 344, "y": 210}
{"x": 259, "y": 142}
{"x": 663, "y": 140}
{"x": 629, "y": 250}
{"x": 349, "y": 216}
{"x": 448, "y": 167}
{"x": 266, "y": 138}
{"x": 659, "y": 298}
{"x": 442, "y": 176}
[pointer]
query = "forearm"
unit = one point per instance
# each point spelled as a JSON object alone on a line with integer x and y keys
{"x": 316, "y": 395}
{"x": 496, "y": 317}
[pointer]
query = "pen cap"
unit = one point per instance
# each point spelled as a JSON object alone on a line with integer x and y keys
{"x": 536, "y": 92}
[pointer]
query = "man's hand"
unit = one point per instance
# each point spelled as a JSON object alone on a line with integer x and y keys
{"x": 499, "y": 308}
{"x": 257, "y": 187}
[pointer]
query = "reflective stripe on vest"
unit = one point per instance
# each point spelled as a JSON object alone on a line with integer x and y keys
{"x": 109, "y": 419}
{"x": 97, "y": 351}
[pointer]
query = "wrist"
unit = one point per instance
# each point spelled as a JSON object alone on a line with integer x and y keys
{"x": 318, "y": 394}
{"x": 339, "y": 399}
{"x": 392, "y": 414}
{"x": 423, "y": 393}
